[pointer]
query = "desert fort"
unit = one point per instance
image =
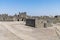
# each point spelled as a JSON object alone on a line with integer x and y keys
{"x": 25, "y": 27}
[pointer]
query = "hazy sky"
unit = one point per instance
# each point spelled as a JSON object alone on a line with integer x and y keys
{"x": 32, "y": 7}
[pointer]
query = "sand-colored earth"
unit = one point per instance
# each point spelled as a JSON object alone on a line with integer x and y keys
{"x": 19, "y": 31}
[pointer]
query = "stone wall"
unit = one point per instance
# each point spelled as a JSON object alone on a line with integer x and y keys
{"x": 19, "y": 17}
{"x": 39, "y": 23}
{"x": 30, "y": 22}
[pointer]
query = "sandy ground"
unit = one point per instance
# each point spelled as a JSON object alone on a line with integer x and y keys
{"x": 5, "y": 34}
{"x": 19, "y": 31}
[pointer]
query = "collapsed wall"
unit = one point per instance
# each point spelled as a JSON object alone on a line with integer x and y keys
{"x": 19, "y": 17}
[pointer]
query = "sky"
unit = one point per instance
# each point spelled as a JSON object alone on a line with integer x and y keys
{"x": 32, "y": 7}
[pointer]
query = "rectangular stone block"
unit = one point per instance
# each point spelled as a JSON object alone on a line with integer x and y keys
{"x": 30, "y": 22}
{"x": 39, "y": 23}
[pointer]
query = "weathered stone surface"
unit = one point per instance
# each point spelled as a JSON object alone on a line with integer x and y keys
{"x": 39, "y": 23}
{"x": 30, "y": 22}
{"x": 19, "y": 17}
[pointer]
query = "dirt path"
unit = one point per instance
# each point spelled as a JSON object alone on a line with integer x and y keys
{"x": 5, "y": 34}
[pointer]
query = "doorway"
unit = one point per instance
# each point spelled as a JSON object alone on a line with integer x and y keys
{"x": 22, "y": 19}
{"x": 18, "y": 20}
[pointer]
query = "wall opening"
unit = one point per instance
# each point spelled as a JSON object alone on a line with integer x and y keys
{"x": 18, "y": 20}
{"x": 45, "y": 25}
{"x": 22, "y": 19}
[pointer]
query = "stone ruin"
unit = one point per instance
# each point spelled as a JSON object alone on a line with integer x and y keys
{"x": 39, "y": 22}
{"x": 19, "y": 17}
{"x": 33, "y": 21}
{"x": 56, "y": 19}
{"x": 42, "y": 21}
{"x": 30, "y": 22}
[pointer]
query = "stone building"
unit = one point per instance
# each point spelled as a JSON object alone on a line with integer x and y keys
{"x": 39, "y": 22}
{"x": 3, "y": 17}
{"x": 19, "y": 17}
